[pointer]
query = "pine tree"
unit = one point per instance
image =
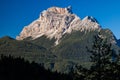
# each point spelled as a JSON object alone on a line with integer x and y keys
{"x": 103, "y": 63}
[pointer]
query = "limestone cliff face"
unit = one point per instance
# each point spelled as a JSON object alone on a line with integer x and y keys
{"x": 55, "y": 22}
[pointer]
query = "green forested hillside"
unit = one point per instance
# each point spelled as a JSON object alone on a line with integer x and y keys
{"x": 71, "y": 51}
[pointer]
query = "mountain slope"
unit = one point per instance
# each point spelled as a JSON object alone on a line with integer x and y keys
{"x": 63, "y": 57}
{"x": 26, "y": 49}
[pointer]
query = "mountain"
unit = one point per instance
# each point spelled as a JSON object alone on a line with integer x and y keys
{"x": 58, "y": 40}
{"x": 55, "y": 22}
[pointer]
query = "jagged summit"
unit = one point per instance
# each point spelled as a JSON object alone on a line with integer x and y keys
{"x": 55, "y": 22}
{"x": 92, "y": 19}
{"x": 90, "y": 23}
{"x": 60, "y": 10}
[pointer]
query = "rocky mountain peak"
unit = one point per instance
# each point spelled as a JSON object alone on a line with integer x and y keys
{"x": 90, "y": 23}
{"x": 55, "y": 22}
{"x": 90, "y": 18}
{"x": 60, "y": 10}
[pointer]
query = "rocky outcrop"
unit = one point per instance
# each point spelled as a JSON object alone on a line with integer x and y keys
{"x": 55, "y": 22}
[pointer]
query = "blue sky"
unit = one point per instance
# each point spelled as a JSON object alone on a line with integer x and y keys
{"x": 15, "y": 14}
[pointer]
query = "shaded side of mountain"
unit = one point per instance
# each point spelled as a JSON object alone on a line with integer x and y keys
{"x": 63, "y": 57}
{"x": 44, "y": 41}
{"x": 74, "y": 45}
{"x": 118, "y": 42}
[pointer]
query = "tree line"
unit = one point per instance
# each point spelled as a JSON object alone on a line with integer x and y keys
{"x": 19, "y": 69}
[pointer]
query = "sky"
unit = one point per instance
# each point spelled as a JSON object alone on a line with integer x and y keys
{"x": 15, "y": 14}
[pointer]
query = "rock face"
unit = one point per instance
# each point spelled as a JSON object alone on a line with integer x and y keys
{"x": 55, "y": 22}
